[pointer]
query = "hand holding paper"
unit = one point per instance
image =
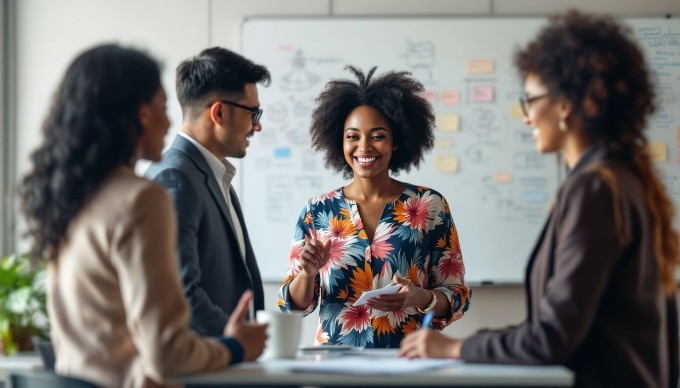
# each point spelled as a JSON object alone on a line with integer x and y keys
{"x": 389, "y": 289}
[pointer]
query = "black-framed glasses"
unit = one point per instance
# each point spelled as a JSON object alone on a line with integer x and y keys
{"x": 525, "y": 102}
{"x": 257, "y": 112}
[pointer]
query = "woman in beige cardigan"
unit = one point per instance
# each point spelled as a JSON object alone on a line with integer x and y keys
{"x": 117, "y": 311}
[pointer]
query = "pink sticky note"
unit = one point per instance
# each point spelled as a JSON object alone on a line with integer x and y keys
{"x": 430, "y": 95}
{"x": 452, "y": 97}
{"x": 483, "y": 93}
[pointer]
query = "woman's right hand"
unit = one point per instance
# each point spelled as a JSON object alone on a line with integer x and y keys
{"x": 314, "y": 256}
{"x": 251, "y": 335}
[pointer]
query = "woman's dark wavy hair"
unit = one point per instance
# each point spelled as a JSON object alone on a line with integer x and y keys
{"x": 91, "y": 128}
{"x": 592, "y": 62}
{"x": 396, "y": 95}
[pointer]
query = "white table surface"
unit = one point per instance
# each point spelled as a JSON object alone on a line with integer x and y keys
{"x": 280, "y": 373}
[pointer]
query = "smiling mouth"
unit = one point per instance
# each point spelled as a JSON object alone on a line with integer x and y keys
{"x": 366, "y": 162}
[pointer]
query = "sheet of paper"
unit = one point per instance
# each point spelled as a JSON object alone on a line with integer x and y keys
{"x": 390, "y": 289}
{"x": 358, "y": 365}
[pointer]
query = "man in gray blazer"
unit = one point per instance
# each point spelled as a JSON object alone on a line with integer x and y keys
{"x": 221, "y": 110}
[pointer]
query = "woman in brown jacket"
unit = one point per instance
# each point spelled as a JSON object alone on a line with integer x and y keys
{"x": 600, "y": 282}
{"x": 117, "y": 311}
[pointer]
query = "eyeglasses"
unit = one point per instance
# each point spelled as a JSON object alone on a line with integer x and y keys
{"x": 525, "y": 102}
{"x": 257, "y": 112}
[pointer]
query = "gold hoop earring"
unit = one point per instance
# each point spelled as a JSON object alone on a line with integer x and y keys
{"x": 562, "y": 125}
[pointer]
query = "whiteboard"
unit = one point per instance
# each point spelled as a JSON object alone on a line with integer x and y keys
{"x": 484, "y": 161}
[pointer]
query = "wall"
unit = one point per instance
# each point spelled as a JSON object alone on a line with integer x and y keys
{"x": 50, "y": 33}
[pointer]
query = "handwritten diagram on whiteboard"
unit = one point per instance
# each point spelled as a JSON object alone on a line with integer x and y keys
{"x": 484, "y": 160}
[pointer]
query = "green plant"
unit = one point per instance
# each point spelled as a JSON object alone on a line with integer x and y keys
{"x": 23, "y": 304}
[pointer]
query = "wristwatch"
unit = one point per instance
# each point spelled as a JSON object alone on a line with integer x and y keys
{"x": 429, "y": 306}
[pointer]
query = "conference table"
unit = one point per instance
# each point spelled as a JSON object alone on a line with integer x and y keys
{"x": 378, "y": 368}
{"x": 357, "y": 368}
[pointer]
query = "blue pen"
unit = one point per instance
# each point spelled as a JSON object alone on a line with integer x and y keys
{"x": 427, "y": 320}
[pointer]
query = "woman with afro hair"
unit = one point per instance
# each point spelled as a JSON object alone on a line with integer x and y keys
{"x": 376, "y": 230}
{"x": 600, "y": 283}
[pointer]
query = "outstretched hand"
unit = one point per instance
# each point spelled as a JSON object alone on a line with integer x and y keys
{"x": 314, "y": 256}
{"x": 251, "y": 335}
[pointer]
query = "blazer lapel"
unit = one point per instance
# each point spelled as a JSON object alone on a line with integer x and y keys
{"x": 183, "y": 145}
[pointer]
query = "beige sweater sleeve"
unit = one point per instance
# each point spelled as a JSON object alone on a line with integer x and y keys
{"x": 143, "y": 251}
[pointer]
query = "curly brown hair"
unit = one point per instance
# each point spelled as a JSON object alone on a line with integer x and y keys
{"x": 90, "y": 130}
{"x": 592, "y": 62}
{"x": 396, "y": 95}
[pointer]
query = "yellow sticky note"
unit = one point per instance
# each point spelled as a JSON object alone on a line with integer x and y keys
{"x": 658, "y": 151}
{"x": 447, "y": 122}
{"x": 517, "y": 112}
{"x": 446, "y": 163}
{"x": 480, "y": 66}
{"x": 502, "y": 177}
{"x": 443, "y": 143}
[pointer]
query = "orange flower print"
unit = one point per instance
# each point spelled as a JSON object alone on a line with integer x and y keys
{"x": 341, "y": 228}
{"x": 381, "y": 325}
{"x": 361, "y": 280}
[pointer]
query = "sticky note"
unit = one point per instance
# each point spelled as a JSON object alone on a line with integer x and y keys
{"x": 446, "y": 163}
{"x": 447, "y": 122}
{"x": 443, "y": 143}
{"x": 282, "y": 152}
{"x": 535, "y": 196}
{"x": 658, "y": 151}
{"x": 483, "y": 93}
{"x": 429, "y": 95}
{"x": 452, "y": 97}
{"x": 516, "y": 112}
{"x": 502, "y": 177}
{"x": 480, "y": 66}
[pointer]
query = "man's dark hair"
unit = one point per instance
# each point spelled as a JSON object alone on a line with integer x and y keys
{"x": 215, "y": 71}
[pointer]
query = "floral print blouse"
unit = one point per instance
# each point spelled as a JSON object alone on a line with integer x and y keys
{"x": 415, "y": 237}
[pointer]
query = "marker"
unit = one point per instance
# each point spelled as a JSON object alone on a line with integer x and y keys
{"x": 427, "y": 320}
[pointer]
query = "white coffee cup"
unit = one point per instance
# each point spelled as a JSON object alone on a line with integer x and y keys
{"x": 283, "y": 331}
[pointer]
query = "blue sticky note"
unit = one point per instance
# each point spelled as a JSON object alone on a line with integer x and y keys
{"x": 282, "y": 153}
